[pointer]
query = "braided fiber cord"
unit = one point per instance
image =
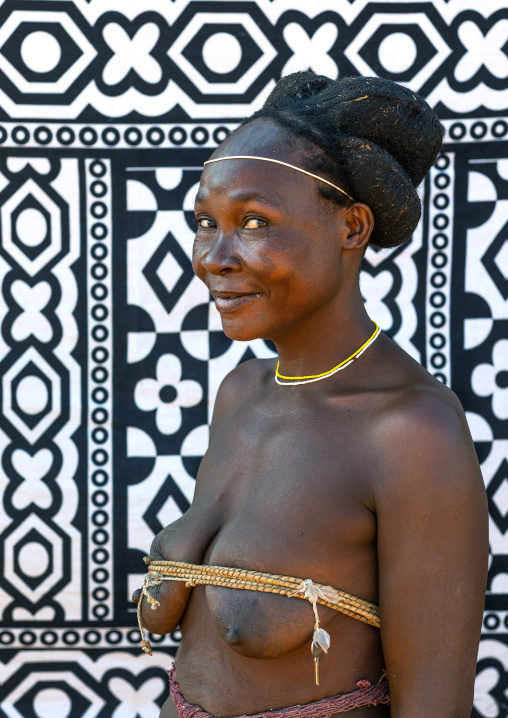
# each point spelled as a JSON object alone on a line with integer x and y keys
{"x": 366, "y": 695}
{"x": 195, "y": 575}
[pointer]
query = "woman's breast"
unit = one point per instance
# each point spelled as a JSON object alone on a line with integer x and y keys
{"x": 260, "y": 625}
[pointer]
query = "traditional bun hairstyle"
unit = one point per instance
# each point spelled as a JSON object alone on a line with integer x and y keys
{"x": 374, "y": 138}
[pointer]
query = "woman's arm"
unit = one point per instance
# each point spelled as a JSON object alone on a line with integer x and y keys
{"x": 433, "y": 549}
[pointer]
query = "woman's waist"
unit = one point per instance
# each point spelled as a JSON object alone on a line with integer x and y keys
{"x": 221, "y": 691}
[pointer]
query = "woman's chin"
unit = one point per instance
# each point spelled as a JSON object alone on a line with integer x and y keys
{"x": 240, "y": 333}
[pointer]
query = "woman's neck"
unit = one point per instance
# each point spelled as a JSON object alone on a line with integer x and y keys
{"x": 322, "y": 343}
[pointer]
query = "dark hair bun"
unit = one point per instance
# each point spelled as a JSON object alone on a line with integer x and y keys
{"x": 377, "y": 139}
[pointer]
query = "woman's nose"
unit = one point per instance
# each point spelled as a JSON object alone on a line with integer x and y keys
{"x": 219, "y": 256}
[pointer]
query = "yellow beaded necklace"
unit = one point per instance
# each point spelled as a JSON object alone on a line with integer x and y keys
{"x": 297, "y": 380}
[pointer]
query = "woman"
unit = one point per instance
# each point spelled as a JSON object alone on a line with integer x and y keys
{"x": 359, "y": 475}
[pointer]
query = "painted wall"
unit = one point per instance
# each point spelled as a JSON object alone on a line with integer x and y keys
{"x": 110, "y": 351}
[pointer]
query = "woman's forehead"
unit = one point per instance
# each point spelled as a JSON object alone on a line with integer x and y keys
{"x": 238, "y": 177}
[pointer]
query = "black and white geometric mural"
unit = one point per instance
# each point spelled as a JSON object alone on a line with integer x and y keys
{"x": 110, "y": 350}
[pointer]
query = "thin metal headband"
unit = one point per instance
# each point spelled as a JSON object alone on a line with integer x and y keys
{"x": 278, "y": 162}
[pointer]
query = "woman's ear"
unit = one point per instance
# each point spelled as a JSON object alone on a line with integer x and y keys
{"x": 360, "y": 223}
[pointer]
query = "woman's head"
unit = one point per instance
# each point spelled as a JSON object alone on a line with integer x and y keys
{"x": 274, "y": 254}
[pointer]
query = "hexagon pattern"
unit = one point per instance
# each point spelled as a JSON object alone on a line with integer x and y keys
{"x": 42, "y": 38}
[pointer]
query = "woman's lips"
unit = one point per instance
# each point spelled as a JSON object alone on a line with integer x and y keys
{"x": 228, "y": 304}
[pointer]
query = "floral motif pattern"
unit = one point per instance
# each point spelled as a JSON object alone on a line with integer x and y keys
{"x": 167, "y": 394}
{"x": 492, "y": 379}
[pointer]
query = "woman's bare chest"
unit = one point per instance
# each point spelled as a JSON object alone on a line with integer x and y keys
{"x": 291, "y": 472}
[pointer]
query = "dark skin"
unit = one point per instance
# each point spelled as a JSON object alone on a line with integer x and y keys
{"x": 366, "y": 481}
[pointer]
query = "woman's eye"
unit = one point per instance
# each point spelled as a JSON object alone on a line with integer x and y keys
{"x": 205, "y": 223}
{"x": 254, "y": 223}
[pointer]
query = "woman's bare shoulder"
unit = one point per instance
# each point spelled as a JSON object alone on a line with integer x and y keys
{"x": 425, "y": 443}
{"x": 420, "y": 403}
{"x": 408, "y": 391}
{"x": 419, "y": 425}
{"x": 243, "y": 382}
{"x": 251, "y": 373}
{"x": 245, "y": 379}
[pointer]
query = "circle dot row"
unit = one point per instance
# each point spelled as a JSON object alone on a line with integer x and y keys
{"x": 439, "y": 260}
{"x": 99, "y": 375}
{"x": 91, "y": 638}
{"x": 112, "y": 136}
{"x": 478, "y": 130}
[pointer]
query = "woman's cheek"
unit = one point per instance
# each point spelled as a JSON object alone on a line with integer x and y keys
{"x": 198, "y": 252}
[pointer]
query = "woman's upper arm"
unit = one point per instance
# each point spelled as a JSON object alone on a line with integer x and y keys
{"x": 432, "y": 548}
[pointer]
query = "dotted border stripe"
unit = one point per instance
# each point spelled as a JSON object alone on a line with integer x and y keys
{"x": 439, "y": 260}
{"x": 100, "y": 388}
{"x": 144, "y": 136}
{"x": 82, "y": 638}
{"x": 476, "y": 130}
{"x": 112, "y": 136}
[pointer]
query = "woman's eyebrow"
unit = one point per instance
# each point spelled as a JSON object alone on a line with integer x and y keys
{"x": 271, "y": 200}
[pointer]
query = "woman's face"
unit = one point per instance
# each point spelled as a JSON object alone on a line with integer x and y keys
{"x": 267, "y": 245}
